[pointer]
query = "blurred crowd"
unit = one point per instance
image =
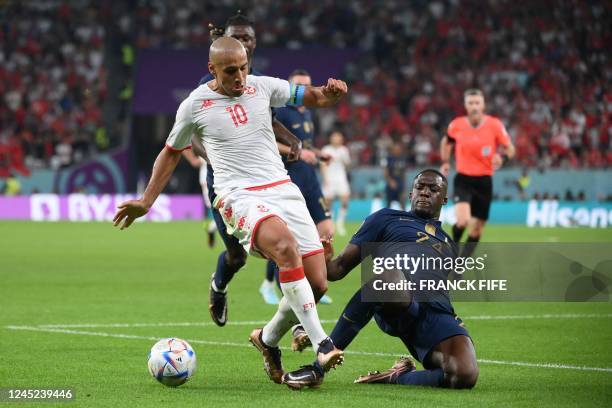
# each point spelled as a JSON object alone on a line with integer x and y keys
{"x": 52, "y": 84}
{"x": 543, "y": 66}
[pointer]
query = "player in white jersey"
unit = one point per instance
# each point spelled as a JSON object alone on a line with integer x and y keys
{"x": 260, "y": 206}
{"x": 335, "y": 180}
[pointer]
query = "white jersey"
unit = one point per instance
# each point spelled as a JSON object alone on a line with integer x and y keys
{"x": 340, "y": 160}
{"x": 236, "y": 132}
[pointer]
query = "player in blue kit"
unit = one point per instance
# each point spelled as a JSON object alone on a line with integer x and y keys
{"x": 428, "y": 327}
{"x": 234, "y": 257}
{"x": 395, "y": 173}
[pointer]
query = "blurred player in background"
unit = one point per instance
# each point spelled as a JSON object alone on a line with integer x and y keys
{"x": 395, "y": 173}
{"x": 428, "y": 327}
{"x": 475, "y": 139}
{"x": 202, "y": 166}
{"x": 335, "y": 179}
{"x": 261, "y": 207}
{"x": 234, "y": 257}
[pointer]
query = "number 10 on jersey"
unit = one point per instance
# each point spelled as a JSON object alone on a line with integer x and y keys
{"x": 238, "y": 114}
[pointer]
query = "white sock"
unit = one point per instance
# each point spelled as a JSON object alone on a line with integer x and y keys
{"x": 266, "y": 284}
{"x": 341, "y": 217}
{"x": 281, "y": 322}
{"x": 301, "y": 299}
{"x": 212, "y": 227}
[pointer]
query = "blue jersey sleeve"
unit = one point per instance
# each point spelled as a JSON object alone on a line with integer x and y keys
{"x": 282, "y": 116}
{"x": 206, "y": 78}
{"x": 370, "y": 230}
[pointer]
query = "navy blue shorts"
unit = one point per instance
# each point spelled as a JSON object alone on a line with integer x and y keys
{"x": 231, "y": 242}
{"x": 424, "y": 329}
{"x": 303, "y": 175}
{"x": 394, "y": 194}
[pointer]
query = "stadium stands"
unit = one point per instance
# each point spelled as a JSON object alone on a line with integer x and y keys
{"x": 543, "y": 67}
{"x": 52, "y": 82}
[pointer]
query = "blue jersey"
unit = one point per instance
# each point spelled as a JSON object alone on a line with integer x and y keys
{"x": 396, "y": 228}
{"x": 304, "y": 174}
{"x": 300, "y": 124}
{"x": 396, "y": 168}
{"x": 387, "y": 225}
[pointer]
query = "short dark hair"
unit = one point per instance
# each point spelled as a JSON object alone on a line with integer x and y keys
{"x": 238, "y": 19}
{"x": 432, "y": 171}
{"x": 298, "y": 71}
{"x": 473, "y": 91}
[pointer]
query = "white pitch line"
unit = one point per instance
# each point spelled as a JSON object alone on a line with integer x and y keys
{"x": 545, "y": 365}
{"x": 363, "y": 353}
{"x": 162, "y": 324}
{"x": 259, "y": 322}
{"x": 540, "y": 316}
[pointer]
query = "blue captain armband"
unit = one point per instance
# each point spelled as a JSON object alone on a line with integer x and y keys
{"x": 296, "y": 95}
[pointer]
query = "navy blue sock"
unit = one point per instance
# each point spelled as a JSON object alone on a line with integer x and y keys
{"x": 355, "y": 316}
{"x": 457, "y": 233}
{"x": 270, "y": 270}
{"x": 276, "y": 273}
{"x": 470, "y": 246}
{"x": 428, "y": 378}
{"x": 224, "y": 272}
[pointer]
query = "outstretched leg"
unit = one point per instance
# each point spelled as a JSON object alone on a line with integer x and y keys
{"x": 274, "y": 240}
{"x": 354, "y": 317}
{"x": 451, "y": 364}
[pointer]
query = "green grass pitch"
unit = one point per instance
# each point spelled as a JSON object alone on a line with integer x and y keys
{"x": 81, "y": 304}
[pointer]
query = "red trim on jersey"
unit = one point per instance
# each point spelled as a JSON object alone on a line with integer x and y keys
{"x": 269, "y": 185}
{"x": 259, "y": 221}
{"x": 177, "y": 150}
{"x": 291, "y": 275}
{"x": 311, "y": 253}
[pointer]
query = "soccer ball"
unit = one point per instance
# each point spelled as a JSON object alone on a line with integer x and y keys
{"x": 172, "y": 362}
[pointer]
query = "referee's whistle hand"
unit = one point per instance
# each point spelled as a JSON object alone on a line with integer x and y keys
{"x": 497, "y": 161}
{"x": 444, "y": 169}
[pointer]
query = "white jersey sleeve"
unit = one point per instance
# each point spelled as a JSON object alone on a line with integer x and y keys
{"x": 180, "y": 135}
{"x": 346, "y": 156}
{"x": 278, "y": 89}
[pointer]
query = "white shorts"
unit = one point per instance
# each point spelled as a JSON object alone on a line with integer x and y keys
{"x": 336, "y": 188}
{"x": 243, "y": 211}
{"x": 204, "y": 185}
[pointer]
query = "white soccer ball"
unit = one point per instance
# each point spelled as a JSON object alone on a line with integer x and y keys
{"x": 172, "y": 362}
